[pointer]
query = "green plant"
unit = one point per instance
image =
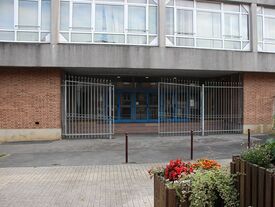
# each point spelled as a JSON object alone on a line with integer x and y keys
{"x": 210, "y": 186}
{"x": 271, "y": 145}
{"x": 259, "y": 155}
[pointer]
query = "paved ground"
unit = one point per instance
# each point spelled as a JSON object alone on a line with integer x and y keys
{"x": 92, "y": 174}
{"x": 90, "y": 186}
{"x": 142, "y": 149}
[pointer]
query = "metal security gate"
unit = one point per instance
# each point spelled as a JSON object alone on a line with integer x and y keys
{"x": 88, "y": 107}
{"x": 209, "y": 108}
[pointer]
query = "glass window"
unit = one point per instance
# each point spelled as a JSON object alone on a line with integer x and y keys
{"x": 184, "y": 22}
{"x": 64, "y": 16}
{"x": 106, "y": 21}
{"x": 28, "y": 14}
{"x": 153, "y": 20}
{"x": 266, "y": 29}
{"x": 46, "y": 15}
{"x": 136, "y": 19}
{"x": 169, "y": 21}
{"x": 109, "y": 18}
{"x": 6, "y": 14}
{"x": 25, "y": 20}
{"x": 231, "y": 24}
{"x": 81, "y": 16}
{"x": 269, "y": 27}
{"x": 208, "y": 24}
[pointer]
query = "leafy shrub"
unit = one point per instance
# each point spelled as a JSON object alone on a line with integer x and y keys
{"x": 271, "y": 145}
{"x": 259, "y": 155}
{"x": 208, "y": 187}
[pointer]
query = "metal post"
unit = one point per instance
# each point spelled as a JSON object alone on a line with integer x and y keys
{"x": 249, "y": 140}
{"x": 202, "y": 110}
{"x": 126, "y": 148}
{"x": 192, "y": 140}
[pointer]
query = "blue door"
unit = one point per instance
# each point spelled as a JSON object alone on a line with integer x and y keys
{"x": 136, "y": 106}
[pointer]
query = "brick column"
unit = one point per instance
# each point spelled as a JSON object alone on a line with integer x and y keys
{"x": 259, "y": 93}
{"x": 30, "y": 104}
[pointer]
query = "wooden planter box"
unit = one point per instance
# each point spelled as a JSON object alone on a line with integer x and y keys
{"x": 256, "y": 185}
{"x": 165, "y": 197}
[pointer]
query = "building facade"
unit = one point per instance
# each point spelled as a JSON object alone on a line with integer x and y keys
{"x": 95, "y": 68}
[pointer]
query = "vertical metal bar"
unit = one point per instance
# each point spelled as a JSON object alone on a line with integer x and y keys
{"x": 65, "y": 108}
{"x": 110, "y": 111}
{"x": 159, "y": 107}
{"x": 202, "y": 110}
{"x": 126, "y": 148}
{"x": 248, "y": 139}
{"x": 192, "y": 142}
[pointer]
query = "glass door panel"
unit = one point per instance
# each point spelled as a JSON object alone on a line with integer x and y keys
{"x": 125, "y": 106}
{"x": 153, "y": 106}
{"x": 141, "y": 106}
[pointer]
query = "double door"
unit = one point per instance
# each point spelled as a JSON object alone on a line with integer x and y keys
{"x": 136, "y": 106}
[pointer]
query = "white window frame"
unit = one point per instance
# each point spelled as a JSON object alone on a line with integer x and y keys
{"x": 195, "y": 36}
{"x": 265, "y": 39}
{"x": 16, "y": 26}
{"x": 126, "y": 33}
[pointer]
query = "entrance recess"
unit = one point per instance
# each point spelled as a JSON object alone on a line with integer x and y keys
{"x": 87, "y": 107}
{"x": 210, "y": 108}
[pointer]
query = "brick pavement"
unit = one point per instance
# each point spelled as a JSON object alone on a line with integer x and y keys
{"x": 76, "y": 186}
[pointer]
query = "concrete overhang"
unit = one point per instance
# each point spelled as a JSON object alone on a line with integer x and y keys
{"x": 132, "y": 57}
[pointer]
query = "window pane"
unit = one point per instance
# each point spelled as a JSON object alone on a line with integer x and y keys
{"x": 45, "y": 36}
{"x": 184, "y": 22}
{"x": 46, "y": 15}
{"x": 169, "y": 21}
{"x": 28, "y": 14}
{"x": 153, "y": 20}
{"x": 109, "y": 18}
{"x": 270, "y": 28}
{"x": 185, "y": 42}
{"x": 134, "y": 39}
{"x": 27, "y": 36}
{"x": 81, "y": 37}
{"x": 232, "y": 45}
{"x": 268, "y": 11}
{"x": 245, "y": 27}
{"x": 231, "y": 7}
{"x": 138, "y": 1}
{"x": 6, "y": 14}
{"x": 231, "y": 25}
{"x": 7, "y": 36}
{"x": 260, "y": 28}
{"x": 64, "y": 16}
{"x": 209, "y": 24}
{"x": 206, "y": 5}
{"x": 107, "y": 38}
{"x": 185, "y": 3}
{"x": 209, "y": 43}
{"x": 269, "y": 47}
{"x": 81, "y": 16}
{"x": 137, "y": 19}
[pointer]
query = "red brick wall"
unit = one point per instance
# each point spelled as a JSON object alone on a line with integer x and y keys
{"x": 259, "y": 92}
{"x": 28, "y": 96}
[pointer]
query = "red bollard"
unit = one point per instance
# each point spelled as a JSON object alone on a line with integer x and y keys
{"x": 126, "y": 148}
{"x": 192, "y": 140}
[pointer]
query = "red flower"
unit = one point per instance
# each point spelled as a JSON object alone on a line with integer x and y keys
{"x": 176, "y": 168}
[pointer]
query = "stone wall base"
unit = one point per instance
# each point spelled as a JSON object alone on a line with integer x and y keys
{"x": 17, "y": 135}
{"x": 258, "y": 128}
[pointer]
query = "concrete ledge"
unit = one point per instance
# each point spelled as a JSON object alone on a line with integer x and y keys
{"x": 16, "y": 135}
{"x": 258, "y": 128}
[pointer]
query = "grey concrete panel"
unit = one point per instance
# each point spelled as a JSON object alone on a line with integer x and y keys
{"x": 111, "y": 56}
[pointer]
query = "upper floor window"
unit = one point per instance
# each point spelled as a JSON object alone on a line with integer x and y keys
{"x": 109, "y": 21}
{"x": 207, "y": 25}
{"x": 266, "y": 29}
{"x": 25, "y": 20}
